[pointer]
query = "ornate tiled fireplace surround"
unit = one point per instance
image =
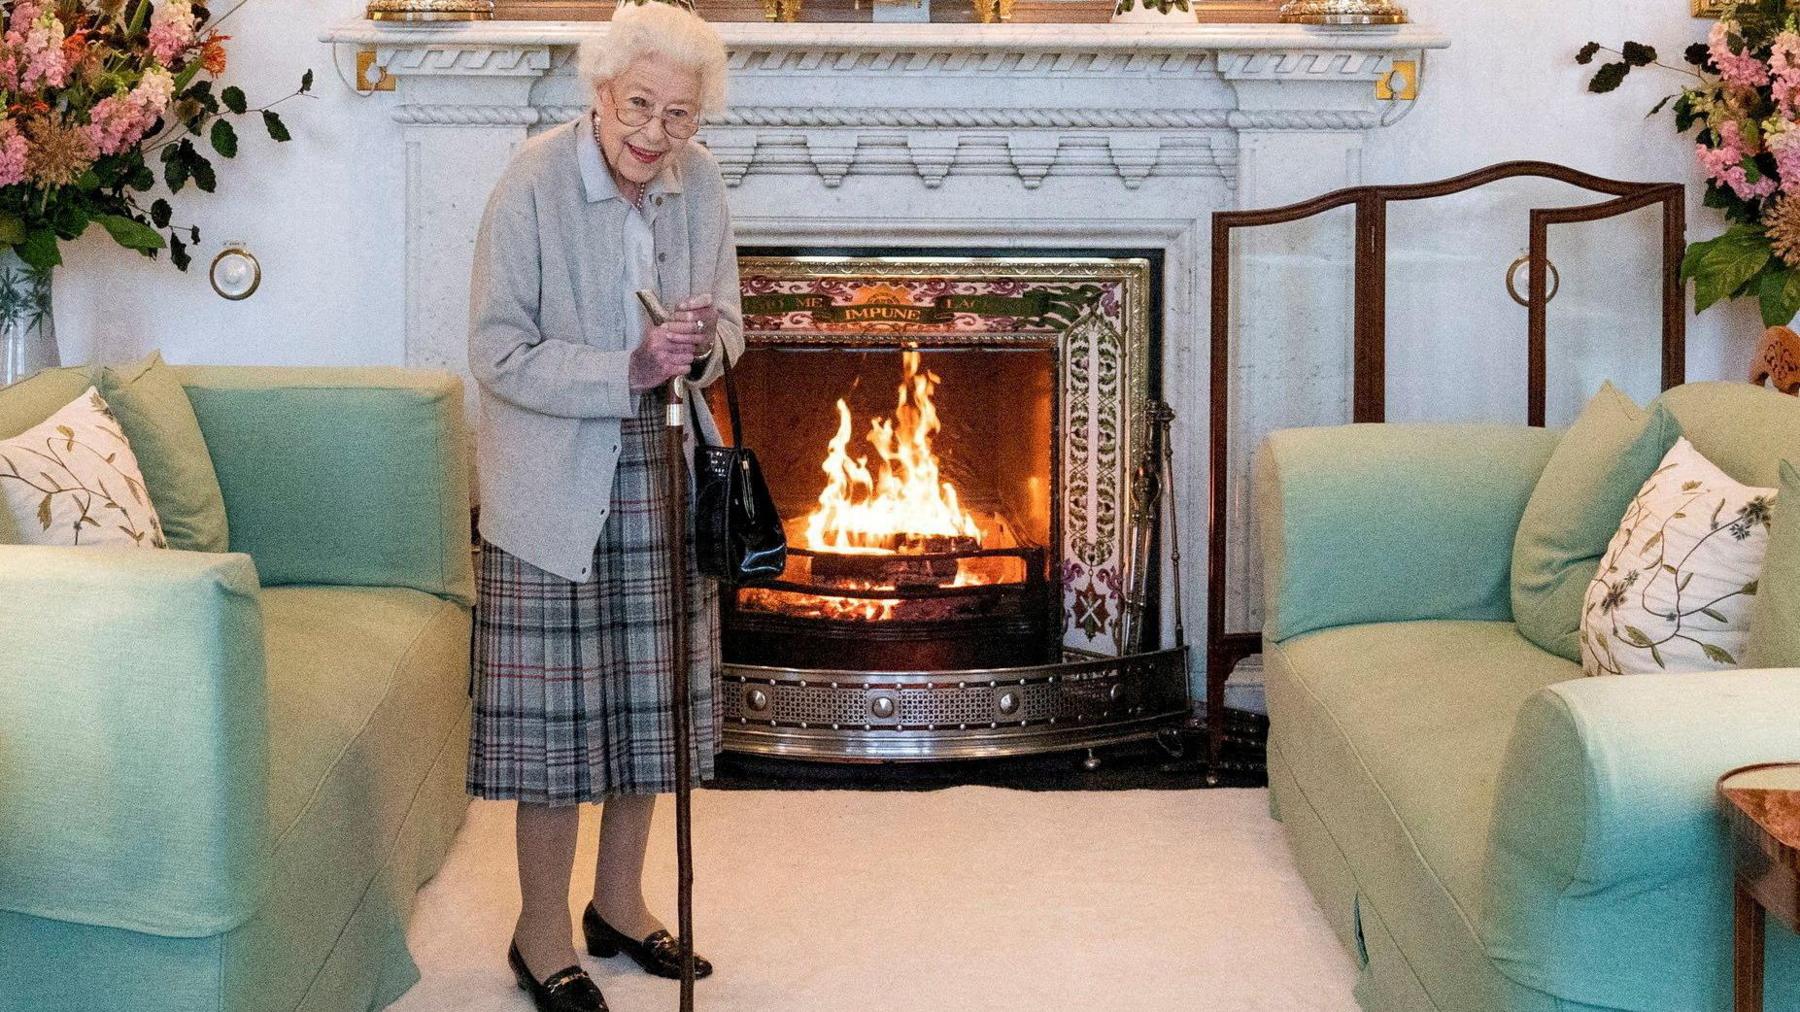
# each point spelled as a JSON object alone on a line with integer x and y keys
{"x": 887, "y": 138}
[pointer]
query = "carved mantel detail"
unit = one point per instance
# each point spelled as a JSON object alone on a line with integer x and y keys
{"x": 1204, "y": 84}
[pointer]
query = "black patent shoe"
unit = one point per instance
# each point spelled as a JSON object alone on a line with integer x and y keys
{"x": 567, "y": 990}
{"x": 659, "y": 955}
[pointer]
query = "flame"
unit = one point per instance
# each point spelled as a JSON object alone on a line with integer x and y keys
{"x": 877, "y": 511}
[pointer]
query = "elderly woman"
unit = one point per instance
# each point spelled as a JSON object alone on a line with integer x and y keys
{"x": 572, "y": 665}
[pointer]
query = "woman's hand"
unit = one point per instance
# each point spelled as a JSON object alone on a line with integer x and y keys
{"x": 699, "y": 309}
{"x": 668, "y": 350}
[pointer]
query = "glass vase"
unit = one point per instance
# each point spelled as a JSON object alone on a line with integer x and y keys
{"x": 27, "y": 326}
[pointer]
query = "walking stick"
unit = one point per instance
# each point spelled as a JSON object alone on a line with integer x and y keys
{"x": 674, "y": 450}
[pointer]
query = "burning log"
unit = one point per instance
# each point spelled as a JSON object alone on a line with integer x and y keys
{"x": 899, "y": 565}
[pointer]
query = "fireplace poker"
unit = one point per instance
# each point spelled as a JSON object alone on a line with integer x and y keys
{"x": 674, "y": 452}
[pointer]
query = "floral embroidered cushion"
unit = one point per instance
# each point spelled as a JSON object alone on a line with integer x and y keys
{"x": 72, "y": 480}
{"x": 1675, "y": 587}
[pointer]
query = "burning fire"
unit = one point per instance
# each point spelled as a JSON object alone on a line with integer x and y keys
{"x": 903, "y": 502}
{"x": 879, "y": 515}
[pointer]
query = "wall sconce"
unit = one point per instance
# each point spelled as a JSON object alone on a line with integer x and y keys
{"x": 235, "y": 272}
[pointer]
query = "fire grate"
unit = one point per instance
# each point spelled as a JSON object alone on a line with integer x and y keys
{"x": 918, "y": 715}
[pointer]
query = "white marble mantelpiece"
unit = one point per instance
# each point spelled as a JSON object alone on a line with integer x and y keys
{"x": 957, "y": 135}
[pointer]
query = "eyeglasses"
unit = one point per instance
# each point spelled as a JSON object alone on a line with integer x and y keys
{"x": 635, "y": 112}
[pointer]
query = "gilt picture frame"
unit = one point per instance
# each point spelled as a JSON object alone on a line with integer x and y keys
{"x": 1708, "y": 8}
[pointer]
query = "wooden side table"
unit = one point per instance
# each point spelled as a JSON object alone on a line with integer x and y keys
{"x": 1762, "y": 804}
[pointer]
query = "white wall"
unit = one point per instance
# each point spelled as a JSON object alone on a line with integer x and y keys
{"x": 1508, "y": 88}
{"x": 324, "y": 214}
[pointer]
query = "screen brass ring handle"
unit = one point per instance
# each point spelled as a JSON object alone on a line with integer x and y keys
{"x": 1513, "y": 272}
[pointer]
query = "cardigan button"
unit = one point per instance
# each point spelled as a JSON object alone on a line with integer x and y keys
{"x": 659, "y": 201}
{"x": 662, "y": 258}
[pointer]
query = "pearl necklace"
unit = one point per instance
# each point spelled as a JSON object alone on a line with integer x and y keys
{"x": 636, "y": 201}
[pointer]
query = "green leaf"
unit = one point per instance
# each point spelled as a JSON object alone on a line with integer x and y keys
{"x": 186, "y": 77}
{"x": 1636, "y": 636}
{"x": 1681, "y": 584}
{"x": 1658, "y": 107}
{"x": 233, "y": 97}
{"x": 1721, "y": 266}
{"x": 175, "y": 169}
{"x": 1696, "y": 54}
{"x": 1586, "y": 54}
{"x": 39, "y": 249}
{"x": 160, "y": 213}
{"x": 178, "y": 254}
{"x": 1656, "y": 655}
{"x": 1779, "y": 294}
{"x": 1608, "y": 77}
{"x": 204, "y": 177}
{"x": 1749, "y": 589}
{"x": 306, "y": 80}
{"x": 43, "y": 513}
{"x": 12, "y": 230}
{"x": 1714, "y": 615}
{"x": 277, "y": 129}
{"x": 1718, "y": 655}
{"x": 224, "y": 138}
{"x": 129, "y": 232}
{"x": 1637, "y": 54}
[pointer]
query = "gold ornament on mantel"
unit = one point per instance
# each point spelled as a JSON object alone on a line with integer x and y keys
{"x": 1342, "y": 12}
{"x": 431, "y": 10}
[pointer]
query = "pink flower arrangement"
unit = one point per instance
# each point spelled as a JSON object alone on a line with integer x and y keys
{"x": 1743, "y": 104}
{"x": 171, "y": 30}
{"x": 1724, "y": 161}
{"x": 90, "y": 92}
{"x": 13, "y": 150}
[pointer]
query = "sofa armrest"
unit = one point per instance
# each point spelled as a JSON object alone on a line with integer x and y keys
{"x": 349, "y": 476}
{"x": 1608, "y": 878}
{"x": 1391, "y": 523}
{"x": 133, "y": 738}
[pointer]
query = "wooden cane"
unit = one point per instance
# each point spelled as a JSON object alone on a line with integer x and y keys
{"x": 674, "y": 450}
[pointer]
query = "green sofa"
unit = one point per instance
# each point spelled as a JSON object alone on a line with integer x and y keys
{"x": 224, "y": 776}
{"x": 1484, "y": 828}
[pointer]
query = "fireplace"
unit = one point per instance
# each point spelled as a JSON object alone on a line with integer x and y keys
{"x": 954, "y": 444}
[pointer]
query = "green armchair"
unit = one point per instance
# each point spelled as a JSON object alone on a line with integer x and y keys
{"x": 223, "y": 776}
{"x": 1484, "y": 828}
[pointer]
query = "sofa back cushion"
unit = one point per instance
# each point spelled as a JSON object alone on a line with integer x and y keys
{"x": 178, "y": 470}
{"x": 344, "y": 476}
{"x": 1598, "y": 466}
{"x": 1746, "y": 430}
{"x": 1775, "y": 618}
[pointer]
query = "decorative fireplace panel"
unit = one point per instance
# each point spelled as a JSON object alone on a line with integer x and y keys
{"x": 952, "y": 442}
{"x": 1003, "y": 332}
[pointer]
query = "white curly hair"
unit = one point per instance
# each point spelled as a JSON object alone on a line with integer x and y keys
{"x": 662, "y": 29}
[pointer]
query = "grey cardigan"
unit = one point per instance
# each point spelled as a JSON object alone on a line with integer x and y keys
{"x": 547, "y": 341}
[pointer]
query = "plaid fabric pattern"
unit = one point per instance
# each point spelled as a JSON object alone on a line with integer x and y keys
{"x": 572, "y": 681}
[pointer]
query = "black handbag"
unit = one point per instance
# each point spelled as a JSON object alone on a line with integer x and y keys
{"x": 738, "y": 537}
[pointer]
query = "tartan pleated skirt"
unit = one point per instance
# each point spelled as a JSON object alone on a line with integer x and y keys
{"x": 573, "y": 683}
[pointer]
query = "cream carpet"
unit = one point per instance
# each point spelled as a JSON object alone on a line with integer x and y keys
{"x": 972, "y": 898}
